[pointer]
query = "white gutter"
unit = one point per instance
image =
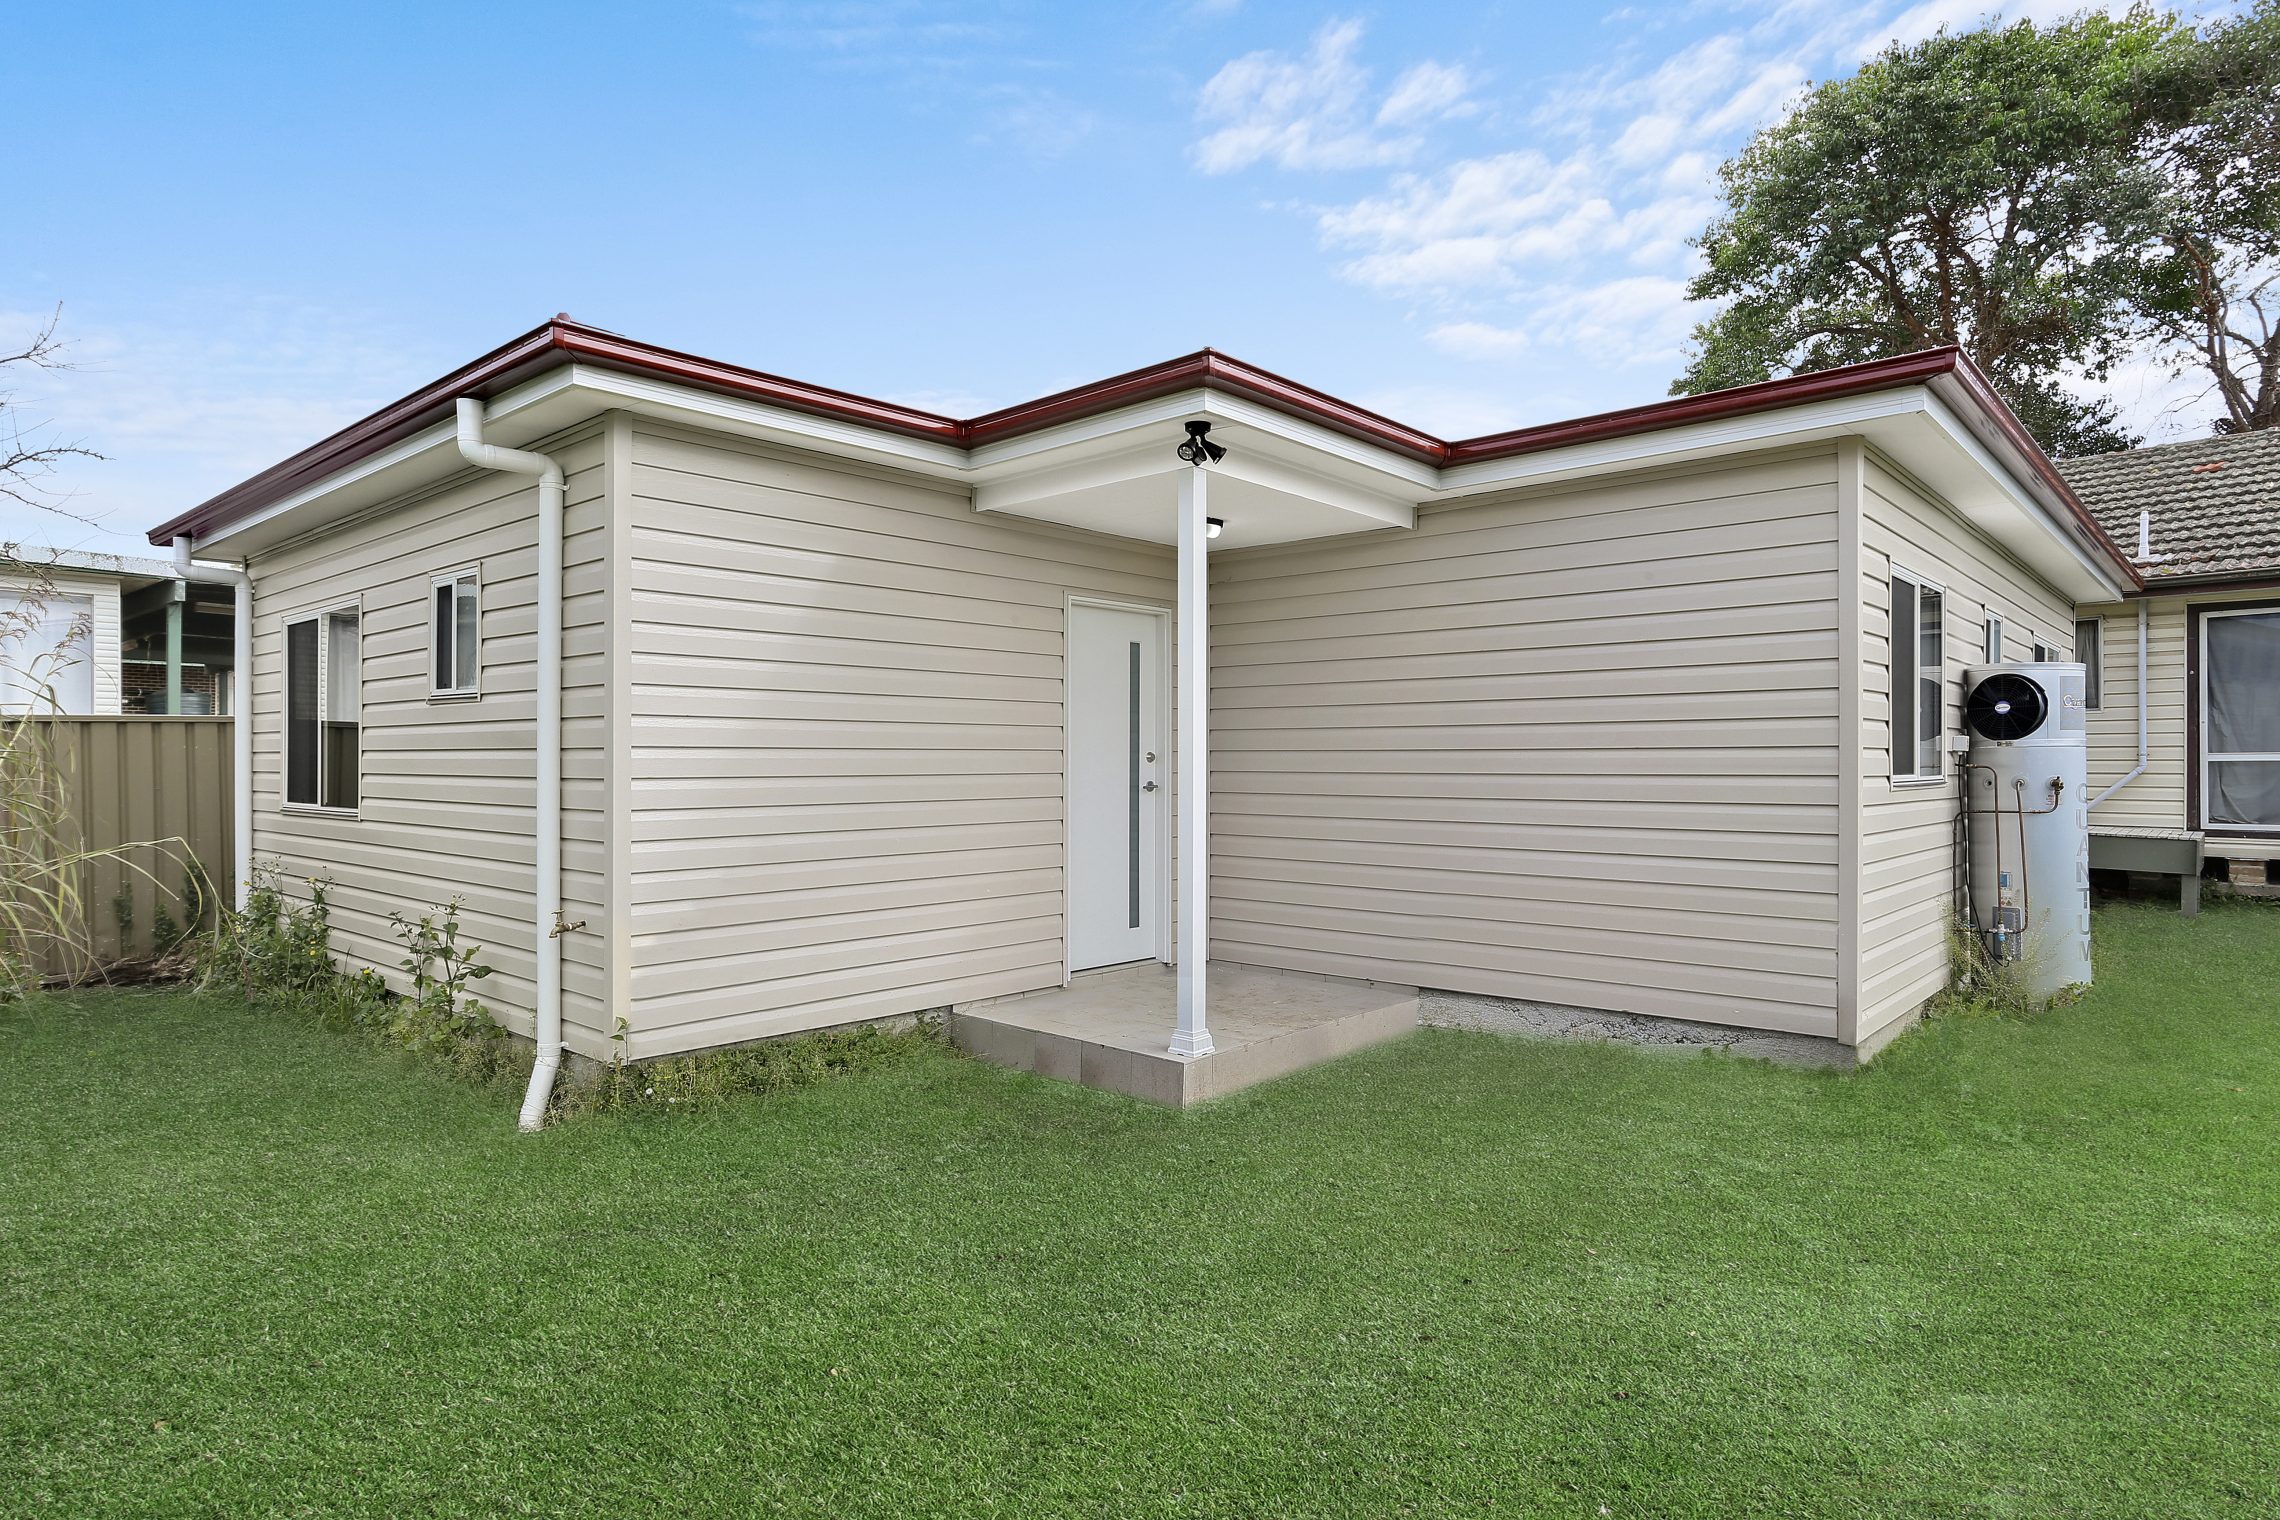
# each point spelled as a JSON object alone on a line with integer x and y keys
{"x": 546, "y": 923}
{"x": 241, "y": 708}
{"x": 2139, "y": 769}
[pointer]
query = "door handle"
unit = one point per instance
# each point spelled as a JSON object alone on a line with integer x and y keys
{"x": 1147, "y": 786}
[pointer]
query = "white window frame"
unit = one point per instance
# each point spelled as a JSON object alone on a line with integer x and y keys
{"x": 322, "y": 617}
{"x": 51, "y": 653}
{"x": 1993, "y": 653}
{"x": 2210, "y": 615}
{"x": 438, "y": 632}
{"x": 1914, "y": 775}
{"x": 2093, "y": 661}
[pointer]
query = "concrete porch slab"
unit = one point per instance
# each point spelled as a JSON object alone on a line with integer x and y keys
{"x": 1112, "y": 1029}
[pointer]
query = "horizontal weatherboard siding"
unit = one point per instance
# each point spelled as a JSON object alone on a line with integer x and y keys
{"x": 449, "y": 788}
{"x": 1576, "y": 746}
{"x": 2160, "y": 798}
{"x": 1907, "y": 846}
{"x": 845, "y": 741}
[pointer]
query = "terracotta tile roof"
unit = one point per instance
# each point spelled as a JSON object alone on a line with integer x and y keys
{"x": 2215, "y": 502}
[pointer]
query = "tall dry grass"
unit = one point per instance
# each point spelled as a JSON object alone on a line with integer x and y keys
{"x": 45, "y": 933}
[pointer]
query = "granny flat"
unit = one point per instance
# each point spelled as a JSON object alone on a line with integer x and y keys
{"x": 1139, "y": 724}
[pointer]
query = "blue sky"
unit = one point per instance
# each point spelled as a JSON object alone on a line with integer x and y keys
{"x": 262, "y": 221}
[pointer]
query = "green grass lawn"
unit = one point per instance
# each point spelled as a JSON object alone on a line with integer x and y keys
{"x": 2017, "y": 1268}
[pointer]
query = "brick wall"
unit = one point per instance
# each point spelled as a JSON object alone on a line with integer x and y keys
{"x": 140, "y": 680}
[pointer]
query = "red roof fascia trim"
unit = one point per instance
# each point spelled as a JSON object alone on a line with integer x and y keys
{"x": 530, "y": 352}
{"x": 1217, "y": 371}
{"x": 397, "y": 420}
{"x": 1791, "y": 390}
{"x": 1796, "y": 390}
{"x": 608, "y": 349}
{"x": 1983, "y": 395}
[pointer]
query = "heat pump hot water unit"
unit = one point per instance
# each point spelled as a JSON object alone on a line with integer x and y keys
{"x": 2028, "y": 818}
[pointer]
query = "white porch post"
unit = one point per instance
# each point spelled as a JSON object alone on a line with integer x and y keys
{"x": 1193, "y": 1036}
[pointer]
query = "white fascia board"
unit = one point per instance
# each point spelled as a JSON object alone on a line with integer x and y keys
{"x": 220, "y": 545}
{"x": 670, "y": 401}
{"x": 1381, "y": 485}
{"x": 427, "y": 457}
{"x": 995, "y": 461}
{"x": 1388, "y": 473}
{"x": 89, "y": 562}
{"x": 1801, "y": 424}
{"x": 1402, "y": 473}
{"x": 2030, "y": 503}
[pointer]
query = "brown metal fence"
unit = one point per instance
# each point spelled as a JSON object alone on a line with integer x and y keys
{"x": 160, "y": 783}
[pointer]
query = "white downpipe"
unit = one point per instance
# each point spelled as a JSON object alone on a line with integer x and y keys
{"x": 546, "y": 918}
{"x": 1192, "y": 1037}
{"x": 2143, "y": 757}
{"x": 241, "y": 708}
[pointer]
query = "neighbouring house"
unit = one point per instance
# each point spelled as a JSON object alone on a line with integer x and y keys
{"x": 2188, "y": 762}
{"x": 91, "y": 634}
{"x": 864, "y": 711}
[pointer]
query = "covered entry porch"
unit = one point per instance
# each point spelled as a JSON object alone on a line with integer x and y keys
{"x": 1144, "y": 1011}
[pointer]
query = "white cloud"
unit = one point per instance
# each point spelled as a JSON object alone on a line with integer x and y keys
{"x": 1311, "y": 111}
{"x": 1426, "y": 92}
{"x": 1479, "y": 340}
{"x": 2154, "y": 400}
{"x": 1633, "y": 320}
{"x": 1629, "y": 320}
{"x": 1486, "y": 222}
{"x": 1568, "y": 249}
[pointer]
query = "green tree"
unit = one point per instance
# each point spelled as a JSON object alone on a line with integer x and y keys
{"x": 2208, "y": 291}
{"x": 1989, "y": 190}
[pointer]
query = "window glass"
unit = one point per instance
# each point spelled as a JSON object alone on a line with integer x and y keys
{"x": 466, "y": 635}
{"x": 344, "y": 704}
{"x": 47, "y": 653}
{"x": 1903, "y": 675}
{"x": 301, "y": 712}
{"x": 1993, "y": 653}
{"x": 455, "y": 628}
{"x": 2090, "y": 649}
{"x": 1930, "y": 684}
{"x": 324, "y": 699}
{"x": 2243, "y": 684}
{"x": 441, "y": 625}
{"x": 2245, "y": 793}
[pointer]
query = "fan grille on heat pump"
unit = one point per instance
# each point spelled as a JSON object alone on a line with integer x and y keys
{"x": 2006, "y": 707}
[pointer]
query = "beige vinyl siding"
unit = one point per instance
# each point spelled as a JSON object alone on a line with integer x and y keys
{"x": 1907, "y": 846}
{"x": 2159, "y": 799}
{"x": 448, "y": 787}
{"x": 2155, "y": 800}
{"x": 845, "y": 733}
{"x": 1578, "y": 746}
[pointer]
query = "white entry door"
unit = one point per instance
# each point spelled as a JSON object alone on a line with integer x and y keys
{"x": 1120, "y": 775}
